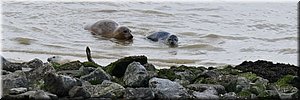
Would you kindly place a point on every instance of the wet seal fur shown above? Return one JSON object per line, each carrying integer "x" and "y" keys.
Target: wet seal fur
{"x": 110, "y": 29}
{"x": 165, "y": 37}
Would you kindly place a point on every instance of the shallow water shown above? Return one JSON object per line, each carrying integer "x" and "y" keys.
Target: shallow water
{"x": 210, "y": 34}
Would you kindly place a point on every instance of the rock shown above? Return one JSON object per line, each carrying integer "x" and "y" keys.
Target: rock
{"x": 168, "y": 74}
{"x": 86, "y": 70}
{"x": 35, "y": 76}
{"x": 239, "y": 84}
{"x": 14, "y": 80}
{"x": 268, "y": 70}
{"x": 35, "y": 63}
{"x": 202, "y": 87}
{"x": 90, "y": 64}
{"x": 60, "y": 84}
{"x": 149, "y": 67}
{"x": 182, "y": 72}
{"x": 119, "y": 67}
{"x": 78, "y": 91}
{"x": 136, "y": 75}
{"x": 106, "y": 89}
{"x": 32, "y": 95}
{"x": 12, "y": 67}
{"x": 229, "y": 96}
{"x": 139, "y": 94}
{"x": 166, "y": 89}
{"x": 205, "y": 96}
{"x": 4, "y": 72}
{"x": 74, "y": 65}
{"x": 72, "y": 73}
{"x": 17, "y": 90}
{"x": 97, "y": 76}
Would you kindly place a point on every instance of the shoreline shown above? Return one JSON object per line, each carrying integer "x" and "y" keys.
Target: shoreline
{"x": 133, "y": 77}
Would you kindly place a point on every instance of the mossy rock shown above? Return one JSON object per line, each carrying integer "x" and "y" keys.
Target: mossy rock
{"x": 285, "y": 84}
{"x": 119, "y": 67}
{"x": 168, "y": 74}
{"x": 244, "y": 94}
{"x": 90, "y": 64}
{"x": 74, "y": 65}
{"x": 228, "y": 70}
{"x": 203, "y": 80}
{"x": 250, "y": 76}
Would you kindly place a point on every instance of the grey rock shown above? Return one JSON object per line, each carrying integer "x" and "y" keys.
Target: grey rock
{"x": 32, "y": 95}
{"x": 86, "y": 70}
{"x": 4, "y": 72}
{"x": 136, "y": 75}
{"x": 242, "y": 83}
{"x": 229, "y": 96}
{"x": 106, "y": 89}
{"x": 14, "y": 80}
{"x": 40, "y": 95}
{"x": 205, "y": 96}
{"x": 202, "y": 87}
{"x": 78, "y": 91}
{"x": 35, "y": 63}
{"x": 60, "y": 84}
{"x": 210, "y": 74}
{"x": 139, "y": 94}
{"x": 166, "y": 89}
{"x": 17, "y": 90}
{"x": 36, "y": 75}
{"x": 97, "y": 76}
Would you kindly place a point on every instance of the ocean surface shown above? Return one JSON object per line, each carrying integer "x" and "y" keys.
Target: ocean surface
{"x": 210, "y": 33}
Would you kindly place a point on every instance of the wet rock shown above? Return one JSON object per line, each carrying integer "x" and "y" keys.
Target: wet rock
{"x": 78, "y": 91}
{"x": 35, "y": 63}
{"x": 14, "y": 80}
{"x": 119, "y": 67}
{"x": 267, "y": 69}
{"x": 17, "y": 90}
{"x": 182, "y": 72}
{"x": 97, "y": 76}
{"x": 60, "y": 84}
{"x": 106, "y": 89}
{"x": 4, "y": 72}
{"x": 139, "y": 94}
{"x": 202, "y": 87}
{"x": 10, "y": 66}
{"x": 166, "y": 89}
{"x": 136, "y": 75}
{"x": 74, "y": 65}
{"x": 90, "y": 64}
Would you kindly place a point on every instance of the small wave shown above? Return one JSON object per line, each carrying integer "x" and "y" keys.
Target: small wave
{"x": 106, "y": 11}
{"x": 203, "y": 9}
{"x": 276, "y": 39}
{"x": 175, "y": 61}
{"x": 288, "y": 51}
{"x": 202, "y": 47}
{"x": 23, "y": 40}
{"x": 267, "y": 26}
{"x": 215, "y": 36}
{"x": 152, "y": 12}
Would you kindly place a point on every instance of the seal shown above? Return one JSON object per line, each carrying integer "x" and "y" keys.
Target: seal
{"x": 110, "y": 29}
{"x": 164, "y": 37}
{"x": 58, "y": 60}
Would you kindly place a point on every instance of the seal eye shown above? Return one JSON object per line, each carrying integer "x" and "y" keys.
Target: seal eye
{"x": 125, "y": 31}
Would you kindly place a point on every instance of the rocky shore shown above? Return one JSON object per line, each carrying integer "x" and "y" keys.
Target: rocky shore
{"x": 134, "y": 78}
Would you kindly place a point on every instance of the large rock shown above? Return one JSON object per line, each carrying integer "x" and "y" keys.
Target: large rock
{"x": 97, "y": 76}
{"x": 10, "y": 66}
{"x": 136, "y": 75}
{"x": 119, "y": 67}
{"x": 268, "y": 70}
{"x": 202, "y": 87}
{"x": 182, "y": 72}
{"x": 208, "y": 94}
{"x": 60, "y": 84}
{"x": 79, "y": 91}
{"x": 106, "y": 89}
{"x": 166, "y": 89}
{"x": 32, "y": 95}
{"x": 14, "y": 80}
{"x": 139, "y": 94}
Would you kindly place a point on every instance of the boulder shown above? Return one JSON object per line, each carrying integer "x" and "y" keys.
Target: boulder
{"x": 202, "y": 87}
{"x": 119, "y": 67}
{"x": 97, "y": 76}
{"x": 139, "y": 94}
{"x": 79, "y": 91}
{"x": 60, "y": 84}
{"x": 166, "y": 89}
{"x": 17, "y": 90}
{"x": 136, "y": 75}
{"x": 106, "y": 89}
{"x": 14, "y": 80}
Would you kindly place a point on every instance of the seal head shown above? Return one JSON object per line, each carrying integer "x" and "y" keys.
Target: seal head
{"x": 123, "y": 33}
{"x": 172, "y": 41}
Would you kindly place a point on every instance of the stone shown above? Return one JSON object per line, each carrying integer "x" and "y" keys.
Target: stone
{"x": 106, "y": 89}
{"x": 166, "y": 89}
{"x": 229, "y": 96}
{"x": 97, "y": 76}
{"x": 79, "y": 91}
{"x": 32, "y": 95}
{"x": 74, "y": 65}
{"x": 14, "y": 80}
{"x": 60, "y": 84}
{"x": 202, "y": 87}
{"x": 205, "y": 96}
{"x": 139, "y": 94}
{"x": 136, "y": 75}
{"x": 119, "y": 67}
{"x": 17, "y": 90}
